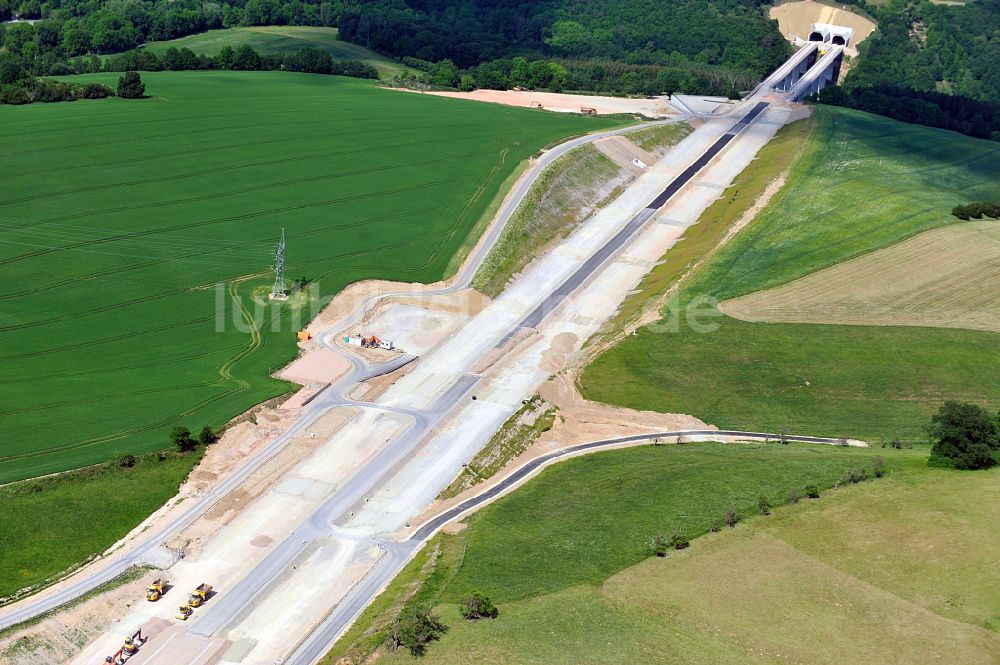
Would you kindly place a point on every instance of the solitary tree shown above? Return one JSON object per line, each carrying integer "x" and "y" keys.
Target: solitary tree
{"x": 732, "y": 517}
{"x": 125, "y": 460}
{"x": 478, "y": 606}
{"x": 812, "y": 491}
{"x": 878, "y": 467}
{"x": 181, "y": 437}
{"x": 414, "y": 629}
{"x": 130, "y": 86}
{"x": 764, "y": 504}
{"x": 964, "y": 436}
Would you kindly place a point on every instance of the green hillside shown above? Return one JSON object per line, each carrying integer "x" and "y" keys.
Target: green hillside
{"x": 139, "y": 235}
{"x": 887, "y": 571}
{"x": 863, "y": 182}
{"x": 281, "y": 39}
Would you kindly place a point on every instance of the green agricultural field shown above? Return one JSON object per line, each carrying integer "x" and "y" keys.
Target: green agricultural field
{"x": 863, "y": 182}
{"x": 281, "y": 39}
{"x": 138, "y": 237}
{"x": 887, "y": 571}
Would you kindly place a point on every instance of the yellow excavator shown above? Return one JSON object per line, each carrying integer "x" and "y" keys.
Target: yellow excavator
{"x": 155, "y": 590}
{"x": 183, "y": 612}
{"x": 199, "y": 595}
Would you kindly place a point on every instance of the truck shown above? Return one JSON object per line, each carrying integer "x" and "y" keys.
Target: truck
{"x": 199, "y": 595}
{"x": 156, "y": 589}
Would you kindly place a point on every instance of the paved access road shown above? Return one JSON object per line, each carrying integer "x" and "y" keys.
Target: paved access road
{"x": 313, "y": 648}
{"x": 149, "y": 549}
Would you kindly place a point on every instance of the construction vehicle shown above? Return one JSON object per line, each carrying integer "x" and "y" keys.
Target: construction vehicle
{"x": 372, "y": 342}
{"x": 588, "y": 110}
{"x": 129, "y": 649}
{"x": 156, "y": 589}
{"x": 199, "y": 595}
{"x": 304, "y": 335}
{"x": 183, "y": 612}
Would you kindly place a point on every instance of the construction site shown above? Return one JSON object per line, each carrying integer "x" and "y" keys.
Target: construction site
{"x": 300, "y": 517}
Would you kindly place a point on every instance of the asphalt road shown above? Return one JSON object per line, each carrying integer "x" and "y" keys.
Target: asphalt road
{"x": 227, "y": 607}
{"x": 350, "y": 607}
{"x": 592, "y": 264}
{"x": 312, "y": 649}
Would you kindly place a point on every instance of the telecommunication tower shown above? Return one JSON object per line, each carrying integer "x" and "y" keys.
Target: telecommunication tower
{"x": 278, "y": 292}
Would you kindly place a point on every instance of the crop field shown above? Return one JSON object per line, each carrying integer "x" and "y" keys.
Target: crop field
{"x": 139, "y": 235}
{"x": 885, "y": 571}
{"x": 862, "y": 567}
{"x": 862, "y": 183}
{"x": 281, "y": 39}
{"x": 947, "y": 278}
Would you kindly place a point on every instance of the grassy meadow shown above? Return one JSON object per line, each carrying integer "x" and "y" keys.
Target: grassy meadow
{"x": 50, "y": 524}
{"x": 862, "y": 183}
{"x": 281, "y": 39}
{"x": 139, "y": 236}
{"x": 885, "y": 571}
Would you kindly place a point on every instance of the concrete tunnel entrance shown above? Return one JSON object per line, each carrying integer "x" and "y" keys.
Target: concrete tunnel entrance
{"x": 815, "y": 36}
{"x": 838, "y": 40}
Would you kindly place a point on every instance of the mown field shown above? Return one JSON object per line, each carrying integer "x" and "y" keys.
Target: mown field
{"x": 893, "y": 570}
{"x": 863, "y": 183}
{"x": 944, "y": 278}
{"x": 281, "y": 39}
{"x": 127, "y": 223}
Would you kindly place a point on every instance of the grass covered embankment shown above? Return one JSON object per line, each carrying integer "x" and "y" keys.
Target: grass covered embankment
{"x": 863, "y": 182}
{"x": 571, "y": 189}
{"x": 568, "y": 560}
{"x": 881, "y": 572}
{"x": 48, "y": 525}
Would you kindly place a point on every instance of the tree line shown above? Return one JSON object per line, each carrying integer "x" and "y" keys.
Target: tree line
{"x": 933, "y": 109}
{"x": 243, "y": 58}
{"x": 18, "y": 86}
{"x": 557, "y": 75}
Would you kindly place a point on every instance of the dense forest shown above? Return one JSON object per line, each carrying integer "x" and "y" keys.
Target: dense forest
{"x": 924, "y": 61}
{"x": 933, "y": 48}
{"x": 625, "y": 46}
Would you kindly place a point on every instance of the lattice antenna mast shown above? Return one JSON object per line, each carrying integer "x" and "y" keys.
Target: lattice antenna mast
{"x": 278, "y": 292}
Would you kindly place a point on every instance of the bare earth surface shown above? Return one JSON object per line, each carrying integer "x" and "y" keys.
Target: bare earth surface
{"x": 795, "y": 20}
{"x": 564, "y": 103}
{"x": 947, "y": 277}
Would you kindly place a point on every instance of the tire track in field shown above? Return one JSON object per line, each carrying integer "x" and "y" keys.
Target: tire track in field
{"x": 104, "y": 398}
{"x": 166, "y": 294}
{"x": 158, "y": 362}
{"x": 104, "y": 340}
{"x": 225, "y": 376}
{"x": 247, "y": 190}
{"x": 220, "y": 169}
{"x": 184, "y": 122}
{"x": 109, "y": 272}
{"x": 235, "y": 218}
{"x": 187, "y": 153}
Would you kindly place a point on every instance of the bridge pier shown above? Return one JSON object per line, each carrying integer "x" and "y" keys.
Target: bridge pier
{"x": 797, "y": 72}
